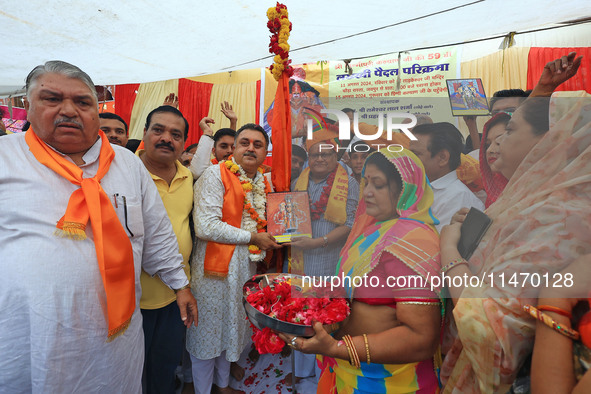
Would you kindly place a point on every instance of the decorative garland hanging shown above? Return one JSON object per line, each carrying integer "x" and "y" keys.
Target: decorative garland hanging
{"x": 280, "y": 26}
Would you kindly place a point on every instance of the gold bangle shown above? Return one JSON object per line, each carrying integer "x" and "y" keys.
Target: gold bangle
{"x": 354, "y": 355}
{"x": 348, "y": 350}
{"x": 453, "y": 263}
{"x": 367, "y": 348}
{"x": 187, "y": 286}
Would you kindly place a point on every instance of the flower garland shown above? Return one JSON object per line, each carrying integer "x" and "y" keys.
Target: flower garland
{"x": 255, "y": 209}
{"x": 280, "y": 26}
{"x": 317, "y": 209}
{"x": 280, "y": 301}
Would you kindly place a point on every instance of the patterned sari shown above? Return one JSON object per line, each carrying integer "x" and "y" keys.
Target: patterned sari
{"x": 541, "y": 223}
{"x": 413, "y": 241}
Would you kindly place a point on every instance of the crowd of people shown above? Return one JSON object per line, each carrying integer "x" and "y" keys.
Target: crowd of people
{"x": 123, "y": 263}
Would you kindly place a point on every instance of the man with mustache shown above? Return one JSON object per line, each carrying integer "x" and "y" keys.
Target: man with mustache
{"x": 114, "y": 128}
{"x": 229, "y": 215}
{"x": 164, "y": 138}
{"x": 87, "y": 220}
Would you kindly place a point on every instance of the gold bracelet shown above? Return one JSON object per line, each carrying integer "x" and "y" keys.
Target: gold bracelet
{"x": 547, "y": 320}
{"x": 355, "y": 356}
{"x": 366, "y": 348}
{"x": 453, "y": 263}
{"x": 348, "y": 350}
{"x": 187, "y": 286}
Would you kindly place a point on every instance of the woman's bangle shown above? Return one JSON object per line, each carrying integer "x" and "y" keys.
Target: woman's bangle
{"x": 550, "y": 308}
{"x": 454, "y": 263}
{"x": 348, "y": 350}
{"x": 367, "y": 348}
{"x": 353, "y": 351}
{"x": 547, "y": 320}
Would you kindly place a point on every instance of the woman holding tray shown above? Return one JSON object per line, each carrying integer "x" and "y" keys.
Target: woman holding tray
{"x": 388, "y": 342}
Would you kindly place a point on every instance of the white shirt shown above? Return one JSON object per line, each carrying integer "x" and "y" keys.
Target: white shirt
{"x": 53, "y": 326}
{"x": 202, "y": 157}
{"x": 222, "y": 320}
{"x": 449, "y": 196}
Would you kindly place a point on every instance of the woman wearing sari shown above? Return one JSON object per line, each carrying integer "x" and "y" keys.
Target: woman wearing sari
{"x": 388, "y": 342}
{"x": 541, "y": 224}
{"x": 494, "y": 182}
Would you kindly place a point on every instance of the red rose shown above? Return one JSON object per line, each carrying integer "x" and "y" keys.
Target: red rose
{"x": 266, "y": 341}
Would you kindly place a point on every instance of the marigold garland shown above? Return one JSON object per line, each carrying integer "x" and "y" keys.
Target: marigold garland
{"x": 256, "y": 208}
{"x": 280, "y": 26}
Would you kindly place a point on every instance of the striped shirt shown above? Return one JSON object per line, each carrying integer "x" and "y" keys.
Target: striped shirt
{"x": 323, "y": 261}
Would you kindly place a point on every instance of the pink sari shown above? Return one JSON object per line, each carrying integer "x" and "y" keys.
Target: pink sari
{"x": 541, "y": 223}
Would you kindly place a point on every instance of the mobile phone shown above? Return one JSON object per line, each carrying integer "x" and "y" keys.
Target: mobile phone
{"x": 473, "y": 229}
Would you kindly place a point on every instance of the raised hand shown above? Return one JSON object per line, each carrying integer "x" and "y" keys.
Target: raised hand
{"x": 172, "y": 100}
{"x": 555, "y": 73}
{"x": 204, "y": 125}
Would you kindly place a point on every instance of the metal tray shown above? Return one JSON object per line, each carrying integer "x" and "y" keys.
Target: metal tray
{"x": 260, "y": 320}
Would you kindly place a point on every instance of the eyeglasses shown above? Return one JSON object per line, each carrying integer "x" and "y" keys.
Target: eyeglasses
{"x": 323, "y": 156}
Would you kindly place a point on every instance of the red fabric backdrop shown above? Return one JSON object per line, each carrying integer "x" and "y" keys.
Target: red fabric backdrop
{"x": 194, "y": 104}
{"x": 538, "y": 57}
{"x": 124, "y": 100}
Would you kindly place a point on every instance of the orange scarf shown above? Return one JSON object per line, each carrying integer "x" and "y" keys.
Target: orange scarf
{"x": 218, "y": 255}
{"x": 113, "y": 247}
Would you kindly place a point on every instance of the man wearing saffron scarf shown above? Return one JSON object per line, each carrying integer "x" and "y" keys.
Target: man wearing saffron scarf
{"x": 69, "y": 292}
{"x": 229, "y": 215}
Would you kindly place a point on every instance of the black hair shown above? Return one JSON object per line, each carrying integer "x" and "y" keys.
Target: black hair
{"x": 536, "y": 112}
{"x": 133, "y": 144}
{"x": 223, "y": 133}
{"x": 252, "y": 126}
{"x": 507, "y": 93}
{"x": 188, "y": 148}
{"x": 505, "y": 118}
{"x": 110, "y": 115}
{"x": 169, "y": 109}
{"x": 300, "y": 152}
{"x": 348, "y": 110}
{"x": 444, "y": 135}
{"x": 387, "y": 167}
{"x": 306, "y": 87}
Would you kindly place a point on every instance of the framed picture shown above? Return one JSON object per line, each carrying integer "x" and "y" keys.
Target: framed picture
{"x": 467, "y": 97}
{"x": 288, "y": 215}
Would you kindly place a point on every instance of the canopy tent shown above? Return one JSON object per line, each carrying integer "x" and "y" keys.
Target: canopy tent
{"x": 119, "y": 42}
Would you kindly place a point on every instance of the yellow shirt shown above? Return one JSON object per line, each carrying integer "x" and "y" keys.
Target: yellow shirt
{"x": 178, "y": 201}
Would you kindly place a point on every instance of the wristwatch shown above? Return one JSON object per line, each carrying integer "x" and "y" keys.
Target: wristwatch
{"x": 187, "y": 286}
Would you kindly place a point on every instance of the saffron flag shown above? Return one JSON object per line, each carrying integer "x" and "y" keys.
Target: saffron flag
{"x": 281, "y": 131}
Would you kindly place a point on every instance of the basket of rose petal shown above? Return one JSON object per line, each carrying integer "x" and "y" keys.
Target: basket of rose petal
{"x": 280, "y": 302}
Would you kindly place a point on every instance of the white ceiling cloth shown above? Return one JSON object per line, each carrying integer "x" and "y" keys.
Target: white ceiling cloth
{"x": 130, "y": 41}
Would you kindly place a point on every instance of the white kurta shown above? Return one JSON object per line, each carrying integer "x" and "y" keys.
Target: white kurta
{"x": 53, "y": 327}
{"x": 222, "y": 320}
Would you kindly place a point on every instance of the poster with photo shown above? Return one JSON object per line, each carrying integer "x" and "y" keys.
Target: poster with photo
{"x": 467, "y": 97}
{"x": 288, "y": 215}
